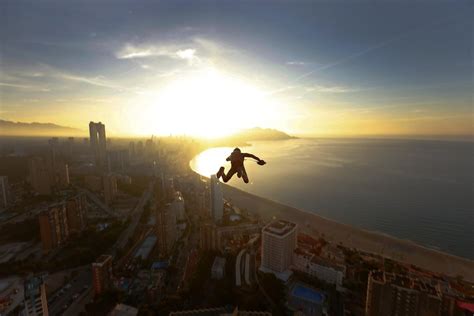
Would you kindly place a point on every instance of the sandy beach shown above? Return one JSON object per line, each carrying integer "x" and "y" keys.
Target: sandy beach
{"x": 397, "y": 249}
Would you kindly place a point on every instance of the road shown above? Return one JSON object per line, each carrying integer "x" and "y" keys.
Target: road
{"x": 78, "y": 305}
{"x": 190, "y": 243}
{"x": 63, "y": 298}
{"x": 135, "y": 215}
{"x": 26, "y": 215}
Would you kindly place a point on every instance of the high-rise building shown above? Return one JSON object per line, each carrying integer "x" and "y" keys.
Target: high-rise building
{"x": 61, "y": 174}
{"x": 69, "y": 147}
{"x": 394, "y": 294}
{"x": 4, "y": 192}
{"x": 165, "y": 229}
{"x": 102, "y": 274}
{"x": 53, "y": 150}
{"x": 139, "y": 149}
{"x": 98, "y": 143}
{"x": 39, "y": 176}
{"x": 110, "y": 188}
{"x": 131, "y": 150}
{"x": 76, "y": 208}
{"x": 217, "y": 199}
{"x": 58, "y": 169}
{"x": 279, "y": 241}
{"x": 54, "y": 227}
{"x": 208, "y": 236}
{"x": 36, "y": 303}
{"x": 118, "y": 160}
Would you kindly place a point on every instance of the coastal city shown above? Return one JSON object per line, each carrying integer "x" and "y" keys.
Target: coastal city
{"x": 116, "y": 226}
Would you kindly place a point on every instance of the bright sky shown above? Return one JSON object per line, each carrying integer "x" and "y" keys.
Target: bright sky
{"x": 208, "y": 69}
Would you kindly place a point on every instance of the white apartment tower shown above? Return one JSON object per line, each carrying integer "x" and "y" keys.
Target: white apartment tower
{"x": 279, "y": 240}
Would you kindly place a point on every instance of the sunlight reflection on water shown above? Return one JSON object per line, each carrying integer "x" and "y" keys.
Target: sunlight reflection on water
{"x": 209, "y": 161}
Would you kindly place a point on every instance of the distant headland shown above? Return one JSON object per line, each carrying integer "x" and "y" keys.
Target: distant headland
{"x": 243, "y": 137}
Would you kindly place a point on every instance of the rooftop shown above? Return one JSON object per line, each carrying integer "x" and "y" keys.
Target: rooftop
{"x": 32, "y": 286}
{"x": 280, "y": 227}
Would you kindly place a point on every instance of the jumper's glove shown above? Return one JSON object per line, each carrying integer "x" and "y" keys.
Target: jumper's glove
{"x": 261, "y": 162}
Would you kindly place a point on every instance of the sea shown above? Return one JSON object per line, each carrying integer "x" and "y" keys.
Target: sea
{"x": 419, "y": 190}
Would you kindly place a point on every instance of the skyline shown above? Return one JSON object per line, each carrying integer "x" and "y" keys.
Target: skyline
{"x": 315, "y": 69}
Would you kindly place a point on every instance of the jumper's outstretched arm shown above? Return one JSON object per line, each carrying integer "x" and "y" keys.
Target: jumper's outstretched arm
{"x": 246, "y": 155}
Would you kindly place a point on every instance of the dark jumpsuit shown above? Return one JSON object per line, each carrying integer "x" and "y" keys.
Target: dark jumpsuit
{"x": 237, "y": 166}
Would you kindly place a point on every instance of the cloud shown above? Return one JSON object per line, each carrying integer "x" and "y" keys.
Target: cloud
{"x": 130, "y": 51}
{"x": 331, "y": 89}
{"x": 188, "y": 54}
{"x": 95, "y": 81}
{"x": 25, "y": 87}
{"x": 295, "y": 63}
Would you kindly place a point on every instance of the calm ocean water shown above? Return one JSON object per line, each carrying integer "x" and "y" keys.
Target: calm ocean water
{"x": 417, "y": 190}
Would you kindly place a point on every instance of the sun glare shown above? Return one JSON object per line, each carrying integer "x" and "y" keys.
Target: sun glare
{"x": 205, "y": 104}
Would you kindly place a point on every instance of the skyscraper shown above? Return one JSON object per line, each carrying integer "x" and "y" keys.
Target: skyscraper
{"x": 4, "y": 192}
{"x": 110, "y": 188}
{"x": 54, "y": 227}
{"x": 165, "y": 229}
{"x": 39, "y": 176}
{"x": 279, "y": 240}
{"x": 102, "y": 274}
{"x": 217, "y": 199}
{"x": 58, "y": 170}
{"x": 98, "y": 143}
{"x": 36, "y": 303}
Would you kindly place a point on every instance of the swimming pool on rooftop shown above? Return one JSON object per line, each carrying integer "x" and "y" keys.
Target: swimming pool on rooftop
{"x": 308, "y": 294}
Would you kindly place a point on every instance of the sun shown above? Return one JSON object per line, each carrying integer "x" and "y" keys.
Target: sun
{"x": 206, "y": 104}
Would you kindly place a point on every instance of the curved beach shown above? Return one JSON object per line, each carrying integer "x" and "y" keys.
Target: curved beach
{"x": 373, "y": 242}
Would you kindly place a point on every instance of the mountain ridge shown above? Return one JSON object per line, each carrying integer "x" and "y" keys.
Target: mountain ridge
{"x": 12, "y": 128}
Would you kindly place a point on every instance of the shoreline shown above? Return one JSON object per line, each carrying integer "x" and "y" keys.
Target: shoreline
{"x": 402, "y": 250}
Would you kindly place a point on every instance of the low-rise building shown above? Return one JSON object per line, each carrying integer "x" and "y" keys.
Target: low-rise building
{"x": 327, "y": 271}
{"x": 219, "y": 311}
{"x": 124, "y": 310}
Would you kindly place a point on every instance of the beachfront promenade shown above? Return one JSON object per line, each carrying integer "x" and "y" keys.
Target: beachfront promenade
{"x": 390, "y": 247}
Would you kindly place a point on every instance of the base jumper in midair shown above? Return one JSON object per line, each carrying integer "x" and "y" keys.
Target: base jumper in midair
{"x": 236, "y": 159}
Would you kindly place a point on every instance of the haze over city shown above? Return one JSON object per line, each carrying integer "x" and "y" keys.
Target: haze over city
{"x": 307, "y": 68}
{"x": 226, "y": 158}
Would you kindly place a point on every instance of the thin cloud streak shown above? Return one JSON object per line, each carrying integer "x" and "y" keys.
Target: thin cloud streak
{"x": 131, "y": 52}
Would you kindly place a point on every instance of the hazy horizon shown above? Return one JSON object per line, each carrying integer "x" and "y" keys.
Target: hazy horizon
{"x": 84, "y": 133}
